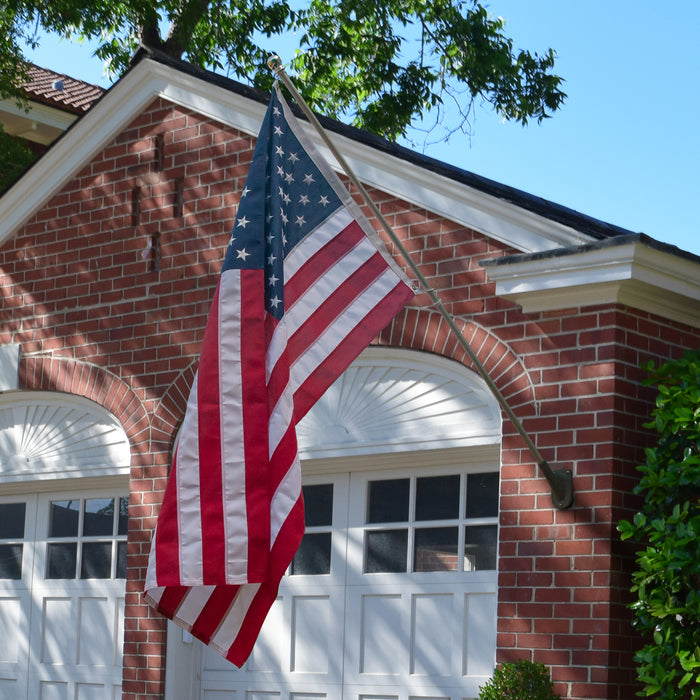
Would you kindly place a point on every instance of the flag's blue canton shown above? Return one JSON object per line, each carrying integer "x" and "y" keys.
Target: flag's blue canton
{"x": 285, "y": 198}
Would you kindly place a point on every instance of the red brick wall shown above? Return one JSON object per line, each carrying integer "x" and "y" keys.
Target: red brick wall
{"x": 107, "y": 290}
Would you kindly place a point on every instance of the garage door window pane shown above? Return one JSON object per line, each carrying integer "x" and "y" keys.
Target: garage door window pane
{"x": 435, "y": 549}
{"x": 482, "y": 495}
{"x": 64, "y": 518}
{"x": 61, "y": 559}
{"x": 12, "y": 516}
{"x": 11, "y": 561}
{"x": 386, "y": 551}
{"x": 313, "y": 558}
{"x": 437, "y": 497}
{"x": 12, "y": 520}
{"x": 98, "y": 518}
{"x": 388, "y": 501}
{"x": 121, "y": 560}
{"x": 97, "y": 560}
{"x": 123, "y": 516}
{"x": 318, "y": 504}
{"x": 480, "y": 547}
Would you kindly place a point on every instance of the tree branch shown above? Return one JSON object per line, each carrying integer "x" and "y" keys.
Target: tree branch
{"x": 183, "y": 25}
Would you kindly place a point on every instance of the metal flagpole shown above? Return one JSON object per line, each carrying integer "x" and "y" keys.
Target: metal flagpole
{"x": 560, "y": 480}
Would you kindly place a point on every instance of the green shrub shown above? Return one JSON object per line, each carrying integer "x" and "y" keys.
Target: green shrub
{"x": 667, "y": 579}
{"x": 519, "y": 680}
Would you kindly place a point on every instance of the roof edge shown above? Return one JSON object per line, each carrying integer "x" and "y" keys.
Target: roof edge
{"x": 596, "y": 228}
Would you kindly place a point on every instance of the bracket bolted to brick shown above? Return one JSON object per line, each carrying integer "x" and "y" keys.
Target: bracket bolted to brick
{"x": 561, "y": 483}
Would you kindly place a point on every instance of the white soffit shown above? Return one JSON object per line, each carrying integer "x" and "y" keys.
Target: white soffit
{"x": 47, "y": 435}
{"x": 495, "y": 218}
{"x": 634, "y": 274}
{"x": 39, "y": 123}
{"x": 391, "y": 400}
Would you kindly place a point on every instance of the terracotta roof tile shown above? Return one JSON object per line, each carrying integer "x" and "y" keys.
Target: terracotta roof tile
{"x": 76, "y": 95}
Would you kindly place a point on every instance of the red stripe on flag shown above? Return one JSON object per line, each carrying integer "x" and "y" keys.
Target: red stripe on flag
{"x": 282, "y": 458}
{"x": 349, "y": 348}
{"x": 281, "y": 555}
{"x": 334, "y": 305}
{"x": 166, "y": 536}
{"x": 213, "y": 612}
{"x": 326, "y": 312}
{"x": 255, "y": 433}
{"x": 324, "y": 258}
{"x": 171, "y": 599}
{"x": 210, "y": 476}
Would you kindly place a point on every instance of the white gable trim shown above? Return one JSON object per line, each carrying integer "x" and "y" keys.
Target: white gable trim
{"x": 505, "y": 222}
{"x": 634, "y": 274}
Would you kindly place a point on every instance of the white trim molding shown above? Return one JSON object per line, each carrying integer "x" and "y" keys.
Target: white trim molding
{"x": 632, "y": 272}
{"x": 50, "y": 435}
{"x": 9, "y": 366}
{"x": 394, "y": 400}
{"x": 521, "y": 229}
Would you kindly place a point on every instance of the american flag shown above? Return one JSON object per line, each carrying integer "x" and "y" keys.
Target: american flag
{"x": 305, "y": 285}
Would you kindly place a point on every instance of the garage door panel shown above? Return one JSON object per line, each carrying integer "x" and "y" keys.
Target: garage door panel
{"x": 95, "y": 622}
{"x": 219, "y": 695}
{"x": 53, "y": 690}
{"x": 378, "y": 645}
{"x": 55, "y": 631}
{"x": 269, "y": 650}
{"x": 311, "y": 634}
{"x": 432, "y": 642}
{"x": 66, "y": 634}
{"x": 13, "y": 616}
{"x": 412, "y": 691}
{"x": 14, "y": 644}
{"x": 479, "y": 634}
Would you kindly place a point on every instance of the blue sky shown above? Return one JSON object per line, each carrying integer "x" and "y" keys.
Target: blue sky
{"x": 625, "y": 147}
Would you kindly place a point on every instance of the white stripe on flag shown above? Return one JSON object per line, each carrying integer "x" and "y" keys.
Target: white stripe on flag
{"x": 193, "y": 604}
{"x": 189, "y": 506}
{"x": 328, "y": 282}
{"x": 232, "y": 442}
{"x": 231, "y": 624}
{"x": 281, "y": 418}
{"x": 285, "y": 497}
{"x": 315, "y": 240}
{"x": 336, "y": 332}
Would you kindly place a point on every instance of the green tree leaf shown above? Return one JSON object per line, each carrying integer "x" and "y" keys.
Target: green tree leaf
{"x": 667, "y": 579}
{"x": 379, "y": 64}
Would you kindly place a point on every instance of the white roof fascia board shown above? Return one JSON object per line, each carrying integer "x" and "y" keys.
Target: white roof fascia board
{"x": 633, "y": 274}
{"x": 495, "y": 218}
{"x": 489, "y": 215}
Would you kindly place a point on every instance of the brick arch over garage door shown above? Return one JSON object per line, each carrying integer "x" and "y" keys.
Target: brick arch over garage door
{"x": 170, "y": 410}
{"x": 421, "y": 329}
{"x": 39, "y": 373}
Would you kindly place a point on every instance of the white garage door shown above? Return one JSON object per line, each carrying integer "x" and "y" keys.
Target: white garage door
{"x": 391, "y": 597}
{"x": 62, "y": 585}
